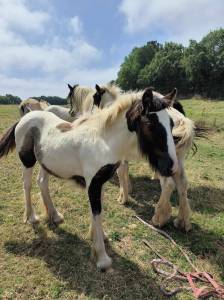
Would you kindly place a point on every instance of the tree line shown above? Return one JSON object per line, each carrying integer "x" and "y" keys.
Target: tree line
{"x": 10, "y": 99}
{"x": 196, "y": 69}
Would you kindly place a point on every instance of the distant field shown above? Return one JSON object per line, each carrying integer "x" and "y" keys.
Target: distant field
{"x": 54, "y": 263}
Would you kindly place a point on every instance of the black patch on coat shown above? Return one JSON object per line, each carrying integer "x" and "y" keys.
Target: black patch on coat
{"x": 28, "y": 158}
{"x": 178, "y": 106}
{"x": 26, "y": 153}
{"x": 152, "y": 138}
{"x": 79, "y": 180}
{"x": 94, "y": 191}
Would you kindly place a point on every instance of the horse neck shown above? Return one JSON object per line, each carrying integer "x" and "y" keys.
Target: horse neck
{"x": 79, "y": 98}
{"x": 120, "y": 140}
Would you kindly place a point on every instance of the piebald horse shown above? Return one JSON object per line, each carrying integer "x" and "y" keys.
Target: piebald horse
{"x": 183, "y": 131}
{"x": 89, "y": 150}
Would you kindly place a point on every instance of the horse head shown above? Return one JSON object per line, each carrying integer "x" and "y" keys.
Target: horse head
{"x": 105, "y": 95}
{"x": 151, "y": 122}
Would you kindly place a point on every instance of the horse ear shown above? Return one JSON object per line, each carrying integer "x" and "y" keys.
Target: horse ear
{"x": 147, "y": 98}
{"x": 98, "y": 89}
{"x": 70, "y": 87}
{"x": 75, "y": 86}
{"x": 170, "y": 98}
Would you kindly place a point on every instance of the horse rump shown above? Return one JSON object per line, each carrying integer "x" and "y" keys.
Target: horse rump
{"x": 7, "y": 140}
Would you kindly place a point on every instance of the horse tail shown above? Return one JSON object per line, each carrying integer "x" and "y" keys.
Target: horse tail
{"x": 178, "y": 106}
{"x": 7, "y": 140}
{"x": 201, "y": 129}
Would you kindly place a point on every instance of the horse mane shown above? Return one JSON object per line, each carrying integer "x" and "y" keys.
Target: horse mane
{"x": 121, "y": 104}
{"x": 79, "y": 94}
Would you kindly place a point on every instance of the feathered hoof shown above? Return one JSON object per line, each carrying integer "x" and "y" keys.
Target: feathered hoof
{"x": 57, "y": 218}
{"x": 33, "y": 219}
{"x": 104, "y": 263}
{"x": 159, "y": 220}
{"x": 182, "y": 224}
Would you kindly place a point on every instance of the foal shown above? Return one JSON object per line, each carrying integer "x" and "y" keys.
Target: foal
{"x": 183, "y": 134}
{"x": 89, "y": 151}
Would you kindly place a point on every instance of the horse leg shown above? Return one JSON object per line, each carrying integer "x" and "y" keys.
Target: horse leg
{"x": 163, "y": 209}
{"x": 123, "y": 177}
{"x": 94, "y": 191}
{"x": 128, "y": 177}
{"x": 183, "y": 219}
{"x": 90, "y": 235}
{"x": 43, "y": 182}
{"x": 29, "y": 215}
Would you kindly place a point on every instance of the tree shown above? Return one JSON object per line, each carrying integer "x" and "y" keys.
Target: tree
{"x": 198, "y": 67}
{"x": 134, "y": 63}
{"x": 9, "y": 99}
{"x": 166, "y": 70}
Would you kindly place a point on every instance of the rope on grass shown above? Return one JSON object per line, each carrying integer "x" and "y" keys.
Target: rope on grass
{"x": 210, "y": 287}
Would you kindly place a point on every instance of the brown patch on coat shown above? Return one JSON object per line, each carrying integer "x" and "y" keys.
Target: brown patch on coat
{"x": 63, "y": 127}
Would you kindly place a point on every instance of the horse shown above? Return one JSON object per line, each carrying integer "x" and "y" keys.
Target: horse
{"x": 32, "y": 104}
{"x": 183, "y": 132}
{"x": 89, "y": 150}
{"x": 83, "y": 99}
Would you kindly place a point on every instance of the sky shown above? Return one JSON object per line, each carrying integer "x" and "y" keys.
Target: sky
{"x": 46, "y": 44}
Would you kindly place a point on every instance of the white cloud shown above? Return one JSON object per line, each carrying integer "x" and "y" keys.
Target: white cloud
{"x": 15, "y": 15}
{"x": 58, "y": 55}
{"x": 76, "y": 25}
{"x": 45, "y": 68}
{"x": 47, "y": 58}
{"x": 179, "y": 20}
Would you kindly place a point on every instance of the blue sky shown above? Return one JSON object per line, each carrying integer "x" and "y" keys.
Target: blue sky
{"x": 45, "y": 44}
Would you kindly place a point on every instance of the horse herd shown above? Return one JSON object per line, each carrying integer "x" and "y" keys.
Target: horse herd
{"x": 103, "y": 129}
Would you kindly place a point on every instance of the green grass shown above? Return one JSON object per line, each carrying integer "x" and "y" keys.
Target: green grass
{"x": 55, "y": 263}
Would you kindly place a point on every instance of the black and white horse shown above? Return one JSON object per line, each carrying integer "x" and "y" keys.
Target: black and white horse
{"x": 89, "y": 150}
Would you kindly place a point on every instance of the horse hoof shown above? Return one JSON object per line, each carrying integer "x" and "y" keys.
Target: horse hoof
{"x": 57, "y": 218}
{"x": 181, "y": 223}
{"x": 159, "y": 221}
{"x": 33, "y": 220}
{"x": 104, "y": 264}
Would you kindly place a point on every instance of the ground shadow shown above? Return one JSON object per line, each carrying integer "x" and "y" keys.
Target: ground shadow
{"x": 206, "y": 200}
{"x": 68, "y": 258}
{"x": 146, "y": 193}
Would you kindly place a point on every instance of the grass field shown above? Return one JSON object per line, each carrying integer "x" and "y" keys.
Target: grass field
{"x": 55, "y": 263}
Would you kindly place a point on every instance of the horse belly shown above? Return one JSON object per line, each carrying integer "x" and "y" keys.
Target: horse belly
{"x": 61, "y": 160}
